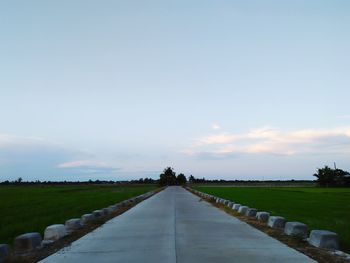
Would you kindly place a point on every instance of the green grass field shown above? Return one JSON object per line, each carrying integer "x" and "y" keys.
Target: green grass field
{"x": 319, "y": 208}
{"x": 32, "y": 208}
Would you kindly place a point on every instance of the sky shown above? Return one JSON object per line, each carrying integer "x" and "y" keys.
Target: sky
{"x": 118, "y": 90}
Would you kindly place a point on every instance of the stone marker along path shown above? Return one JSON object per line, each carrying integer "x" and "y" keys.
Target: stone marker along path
{"x": 176, "y": 226}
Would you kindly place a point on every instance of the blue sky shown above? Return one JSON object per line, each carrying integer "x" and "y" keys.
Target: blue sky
{"x": 220, "y": 89}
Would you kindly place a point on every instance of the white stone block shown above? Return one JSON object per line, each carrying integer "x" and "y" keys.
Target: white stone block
{"x": 55, "y": 232}
{"x": 251, "y": 212}
{"x": 263, "y": 216}
{"x": 97, "y": 213}
{"x": 276, "y": 222}
{"x": 324, "y": 239}
{"x": 87, "y": 218}
{"x": 105, "y": 211}
{"x": 27, "y": 242}
{"x": 230, "y": 204}
{"x": 296, "y": 229}
{"x": 4, "y": 252}
{"x": 73, "y": 224}
{"x": 125, "y": 203}
{"x": 243, "y": 209}
{"x": 113, "y": 208}
{"x": 236, "y": 207}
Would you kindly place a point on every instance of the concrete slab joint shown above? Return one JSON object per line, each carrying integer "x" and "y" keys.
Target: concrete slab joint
{"x": 324, "y": 239}
{"x": 296, "y": 229}
{"x": 276, "y": 222}
{"x": 27, "y": 242}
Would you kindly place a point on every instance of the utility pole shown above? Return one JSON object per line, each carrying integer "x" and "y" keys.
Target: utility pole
{"x": 335, "y": 166}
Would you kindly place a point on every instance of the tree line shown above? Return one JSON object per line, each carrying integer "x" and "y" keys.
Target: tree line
{"x": 20, "y": 181}
{"x": 325, "y": 177}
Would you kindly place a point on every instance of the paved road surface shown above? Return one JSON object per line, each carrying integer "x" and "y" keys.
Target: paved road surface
{"x": 175, "y": 226}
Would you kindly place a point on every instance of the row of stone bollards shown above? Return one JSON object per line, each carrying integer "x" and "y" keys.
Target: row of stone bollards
{"x": 30, "y": 242}
{"x": 318, "y": 238}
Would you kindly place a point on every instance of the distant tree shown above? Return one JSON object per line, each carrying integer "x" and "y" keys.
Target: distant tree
{"x": 19, "y": 180}
{"x": 325, "y": 176}
{"x": 342, "y": 178}
{"x": 191, "y": 179}
{"x": 168, "y": 177}
{"x": 181, "y": 179}
{"x": 347, "y": 180}
{"x": 149, "y": 180}
{"x": 332, "y": 177}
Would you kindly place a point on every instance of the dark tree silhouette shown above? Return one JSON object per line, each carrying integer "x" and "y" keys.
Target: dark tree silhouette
{"x": 332, "y": 177}
{"x": 168, "y": 177}
{"x": 181, "y": 179}
{"x": 19, "y": 180}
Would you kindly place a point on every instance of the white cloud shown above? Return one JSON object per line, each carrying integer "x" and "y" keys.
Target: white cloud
{"x": 345, "y": 116}
{"x": 216, "y": 139}
{"x": 273, "y": 141}
{"x": 90, "y": 167}
{"x": 8, "y": 140}
{"x": 216, "y": 126}
{"x": 82, "y": 163}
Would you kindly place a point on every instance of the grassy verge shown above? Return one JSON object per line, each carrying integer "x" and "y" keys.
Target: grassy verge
{"x": 32, "y": 208}
{"x": 319, "y": 208}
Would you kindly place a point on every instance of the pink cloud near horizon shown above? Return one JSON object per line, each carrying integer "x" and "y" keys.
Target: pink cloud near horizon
{"x": 268, "y": 140}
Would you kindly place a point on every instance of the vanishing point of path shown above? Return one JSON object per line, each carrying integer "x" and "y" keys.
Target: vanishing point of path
{"x": 175, "y": 226}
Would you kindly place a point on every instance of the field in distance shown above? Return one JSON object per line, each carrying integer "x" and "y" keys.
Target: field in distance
{"x": 28, "y": 208}
{"x": 319, "y": 208}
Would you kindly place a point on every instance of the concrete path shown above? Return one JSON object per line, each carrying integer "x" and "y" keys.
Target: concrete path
{"x": 175, "y": 226}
